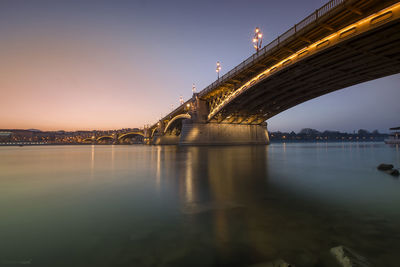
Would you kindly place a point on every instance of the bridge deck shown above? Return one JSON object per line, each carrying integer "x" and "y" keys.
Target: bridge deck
{"x": 369, "y": 56}
{"x": 334, "y": 15}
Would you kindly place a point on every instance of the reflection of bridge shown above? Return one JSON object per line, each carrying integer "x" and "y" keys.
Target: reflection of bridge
{"x": 341, "y": 44}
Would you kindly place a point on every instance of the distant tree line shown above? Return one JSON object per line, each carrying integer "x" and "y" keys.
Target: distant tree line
{"x": 308, "y": 134}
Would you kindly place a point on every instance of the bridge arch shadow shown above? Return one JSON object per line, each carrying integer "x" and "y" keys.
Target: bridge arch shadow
{"x": 130, "y": 135}
{"x": 174, "y": 126}
{"x": 104, "y": 138}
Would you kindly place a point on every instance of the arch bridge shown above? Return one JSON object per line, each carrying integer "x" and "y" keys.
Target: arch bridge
{"x": 139, "y": 135}
{"x": 343, "y": 43}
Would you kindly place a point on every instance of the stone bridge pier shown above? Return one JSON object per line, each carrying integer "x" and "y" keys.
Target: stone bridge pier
{"x": 198, "y": 131}
{"x": 160, "y": 137}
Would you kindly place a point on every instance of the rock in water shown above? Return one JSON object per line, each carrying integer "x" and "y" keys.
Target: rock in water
{"x": 276, "y": 263}
{"x": 348, "y": 258}
{"x": 394, "y": 172}
{"x": 385, "y": 167}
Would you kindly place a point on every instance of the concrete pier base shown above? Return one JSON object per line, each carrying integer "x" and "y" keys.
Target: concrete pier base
{"x": 165, "y": 140}
{"x": 223, "y": 134}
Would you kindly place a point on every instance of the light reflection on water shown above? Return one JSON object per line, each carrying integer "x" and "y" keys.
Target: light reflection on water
{"x": 156, "y": 206}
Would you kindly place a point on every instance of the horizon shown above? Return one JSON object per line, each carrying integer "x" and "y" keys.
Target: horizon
{"x": 287, "y": 131}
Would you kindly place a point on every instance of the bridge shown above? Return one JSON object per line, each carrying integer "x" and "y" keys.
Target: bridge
{"x": 117, "y": 138}
{"x": 343, "y": 43}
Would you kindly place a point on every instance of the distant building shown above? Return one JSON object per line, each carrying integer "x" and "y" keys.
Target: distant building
{"x": 5, "y": 136}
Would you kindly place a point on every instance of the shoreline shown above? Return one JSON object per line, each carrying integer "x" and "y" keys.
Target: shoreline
{"x": 272, "y": 142}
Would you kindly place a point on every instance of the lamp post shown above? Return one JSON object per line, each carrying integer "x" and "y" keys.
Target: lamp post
{"x": 193, "y": 88}
{"x": 181, "y": 100}
{"x": 218, "y": 69}
{"x": 257, "y": 39}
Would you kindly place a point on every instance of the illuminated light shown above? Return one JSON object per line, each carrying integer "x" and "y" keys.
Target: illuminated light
{"x": 286, "y": 62}
{"x": 257, "y": 39}
{"x": 323, "y": 44}
{"x": 253, "y": 82}
{"x": 218, "y": 69}
{"x": 305, "y": 52}
{"x": 381, "y": 18}
{"x": 273, "y": 69}
{"x": 348, "y": 32}
{"x": 262, "y": 76}
{"x": 188, "y": 105}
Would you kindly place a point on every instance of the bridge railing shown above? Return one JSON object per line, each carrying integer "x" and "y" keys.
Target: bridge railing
{"x": 313, "y": 17}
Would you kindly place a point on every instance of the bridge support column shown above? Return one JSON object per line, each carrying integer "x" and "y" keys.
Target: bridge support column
{"x": 166, "y": 139}
{"x": 223, "y": 134}
{"x": 200, "y": 112}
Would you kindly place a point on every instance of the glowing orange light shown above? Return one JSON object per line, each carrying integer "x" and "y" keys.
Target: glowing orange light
{"x": 257, "y": 39}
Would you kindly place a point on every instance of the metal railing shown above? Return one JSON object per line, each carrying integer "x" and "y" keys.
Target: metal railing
{"x": 272, "y": 46}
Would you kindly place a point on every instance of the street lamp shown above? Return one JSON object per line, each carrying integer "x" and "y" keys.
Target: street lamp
{"x": 193, "y": 88}
{"x": 257, "y": 39}
{"x": 181, "y": 100}
{"x": 218, "y": 69}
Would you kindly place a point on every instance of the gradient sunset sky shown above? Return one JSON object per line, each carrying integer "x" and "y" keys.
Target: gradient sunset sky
{"x": 121, "y": 64}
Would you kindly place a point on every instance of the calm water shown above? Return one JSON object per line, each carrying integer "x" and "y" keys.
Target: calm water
{"x": 172, "y": 206}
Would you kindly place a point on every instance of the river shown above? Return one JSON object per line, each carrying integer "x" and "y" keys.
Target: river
{"x": 208, "y": 206}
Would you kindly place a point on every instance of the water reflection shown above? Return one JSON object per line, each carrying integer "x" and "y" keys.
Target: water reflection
{"x": 256, "y": 208}
{"x": 179, "y": 206}
{"x": 158, "y": 172}
{"x": 216, "y": 185}
{"x": 189, "y": 178}
{"x": 92, "y": 162}
{"x": 113, "y": 159}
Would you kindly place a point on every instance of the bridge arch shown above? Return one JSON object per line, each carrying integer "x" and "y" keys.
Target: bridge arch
{"x": 130, "y": 134}
{"x": 336, "y": 61}
{"x": 155, "y": 129}
{"x": 176, "y": 118}
{"x": 104, "y": 137}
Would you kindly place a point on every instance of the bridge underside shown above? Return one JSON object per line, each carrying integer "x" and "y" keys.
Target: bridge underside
{"x": 365, "y": 57}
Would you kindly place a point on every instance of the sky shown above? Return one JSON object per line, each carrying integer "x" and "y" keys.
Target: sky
{"x": 122, "y": 64}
